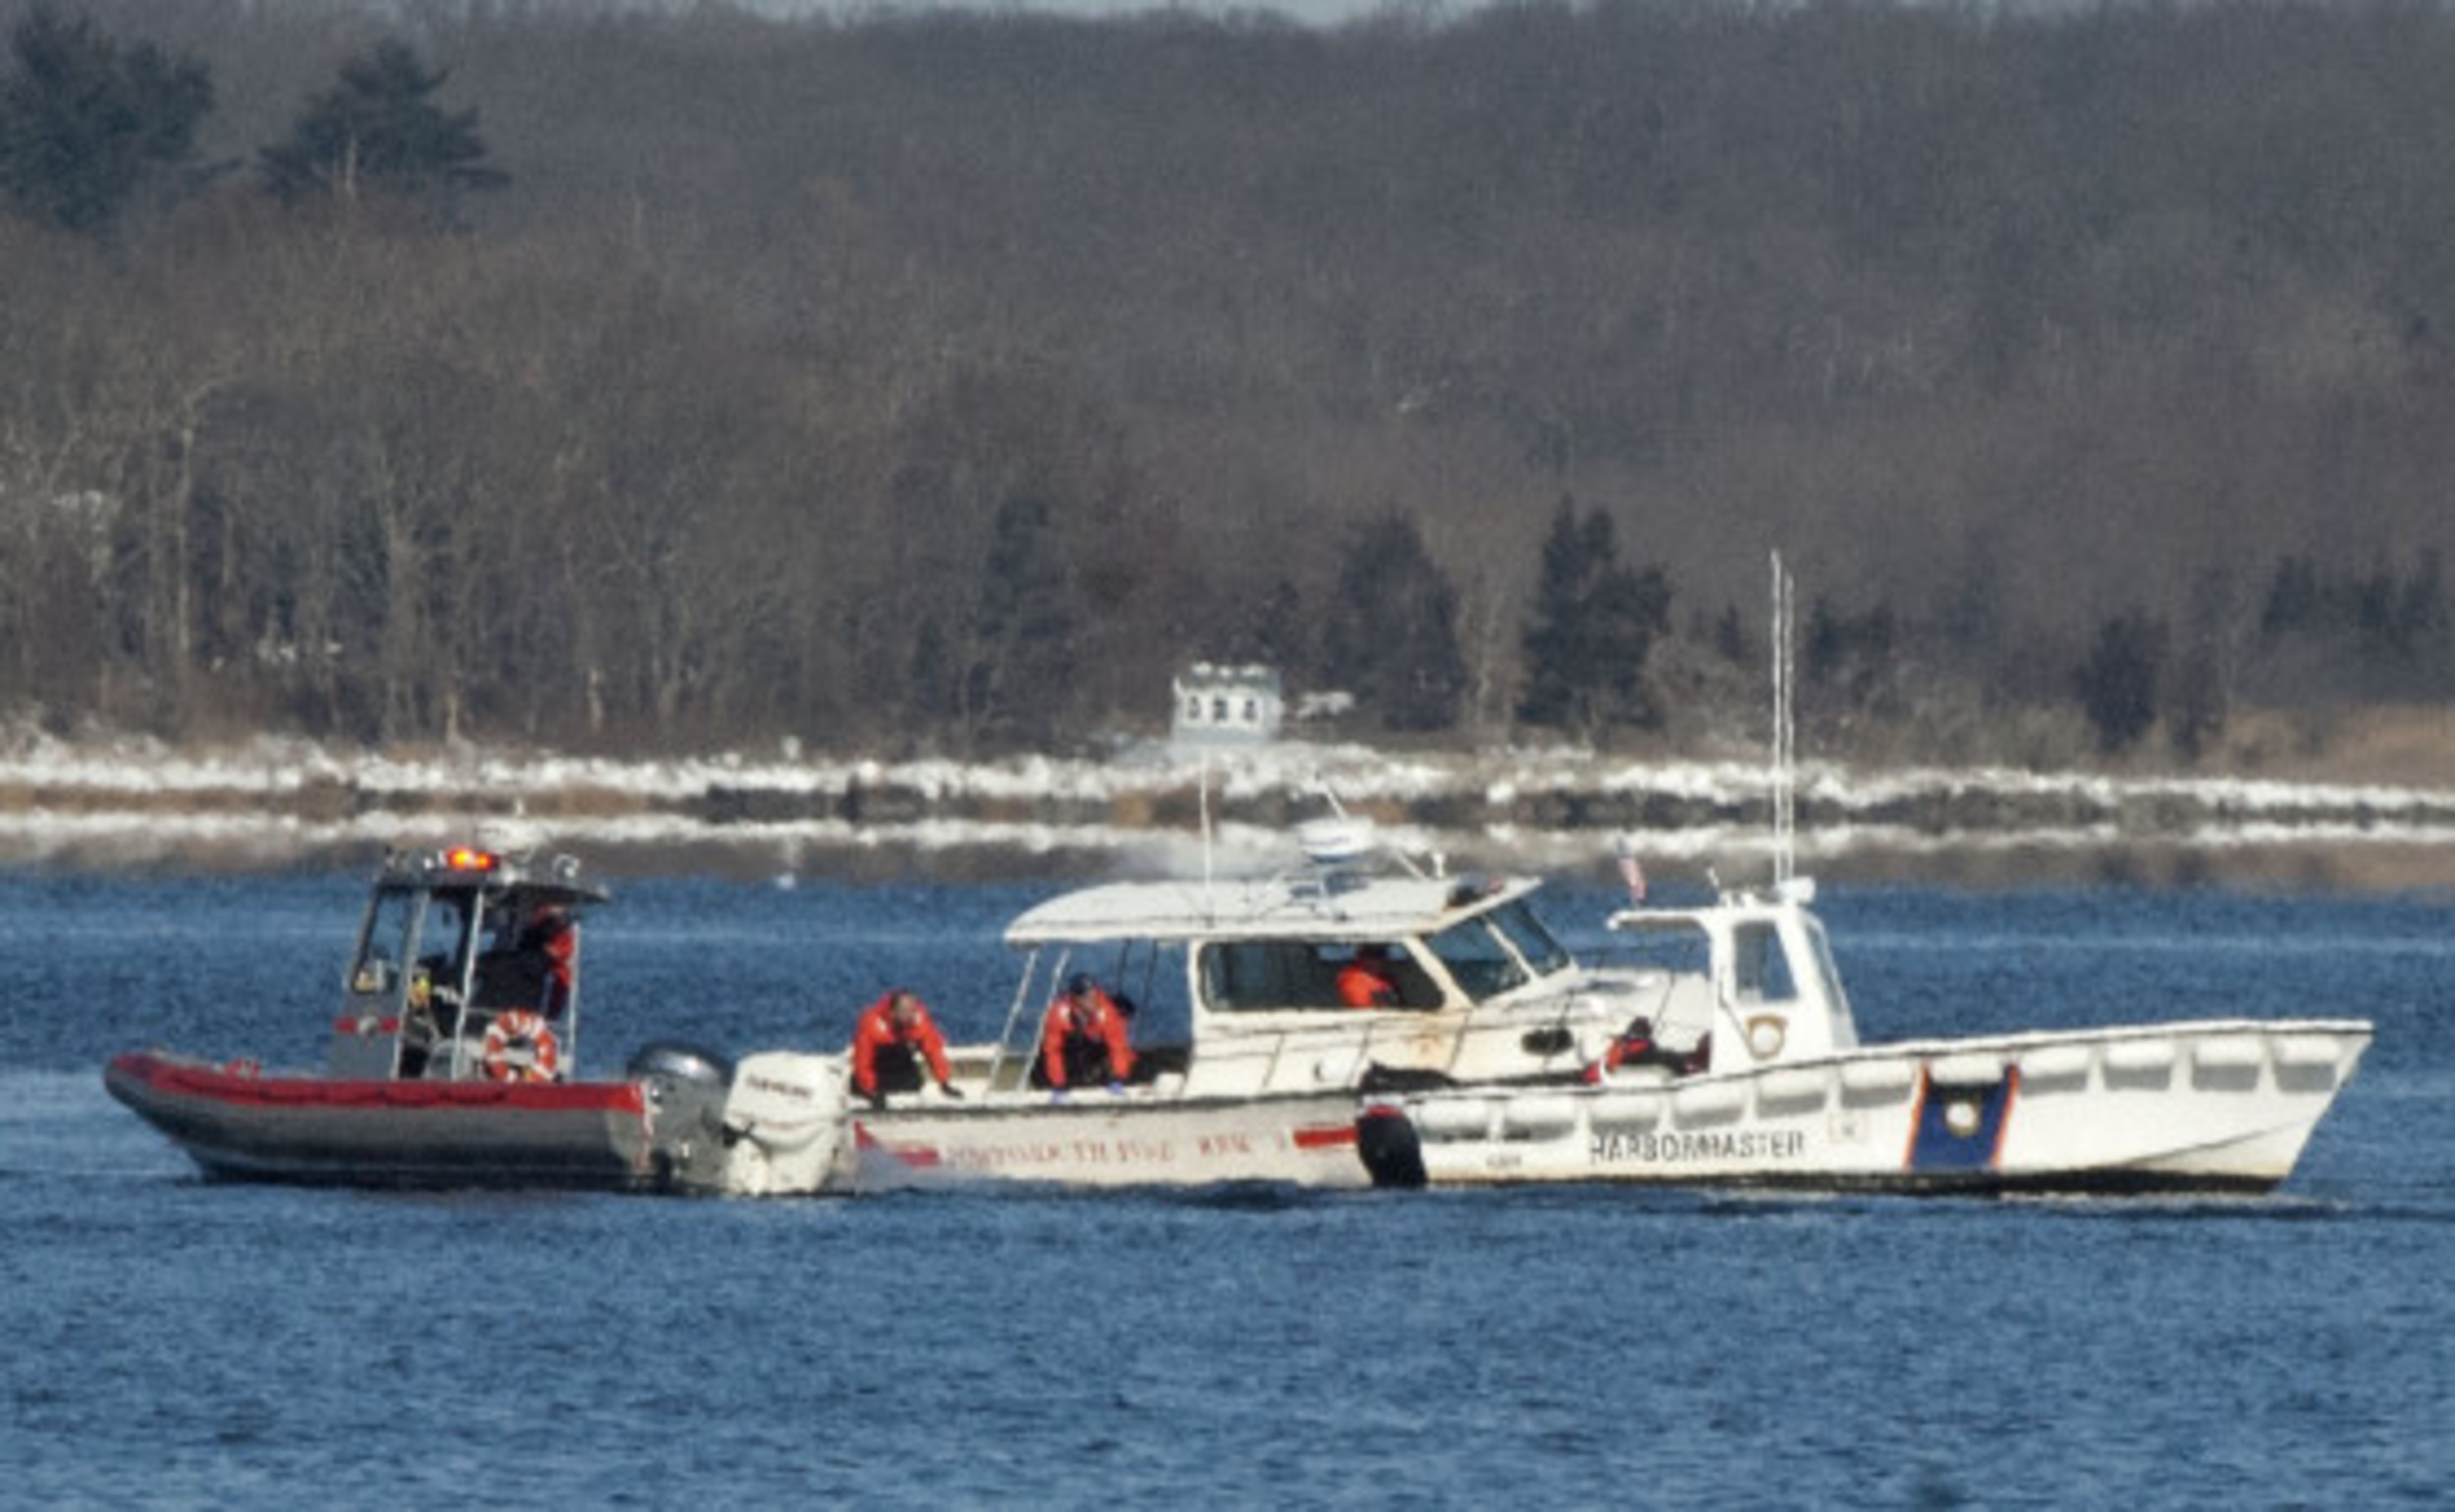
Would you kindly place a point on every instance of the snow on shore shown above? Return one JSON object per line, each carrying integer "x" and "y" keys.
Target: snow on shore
{"x": 134, "y": 801}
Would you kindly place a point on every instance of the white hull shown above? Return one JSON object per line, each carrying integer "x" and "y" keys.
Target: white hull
{"x": 794, "y": 1136}
{"x": 2211, "y": 1106}
{"x": 1255, "y": 1041}
{"x": 1100, "y": 1141}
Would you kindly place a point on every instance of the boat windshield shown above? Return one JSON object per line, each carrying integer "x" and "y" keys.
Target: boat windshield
{"x": 1499, "y": 951}
{"x": 1534, "y": 942}
{"x": 385, "y": 944}
{"x": 413, "y": 935}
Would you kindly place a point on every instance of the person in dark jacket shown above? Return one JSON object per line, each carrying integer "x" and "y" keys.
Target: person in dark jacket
{"x": 553, "y": 939}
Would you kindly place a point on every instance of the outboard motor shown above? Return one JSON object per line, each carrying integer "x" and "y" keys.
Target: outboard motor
{"x": 687, "y": 1087}
{"x": 673, "y": 1061}
{"x": 785, "y": 1125}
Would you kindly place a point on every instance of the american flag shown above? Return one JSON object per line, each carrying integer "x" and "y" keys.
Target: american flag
{"x": 1630, "y": 871}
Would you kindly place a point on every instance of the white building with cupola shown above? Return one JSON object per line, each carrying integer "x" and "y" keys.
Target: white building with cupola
{"x": 1228, "y": 705}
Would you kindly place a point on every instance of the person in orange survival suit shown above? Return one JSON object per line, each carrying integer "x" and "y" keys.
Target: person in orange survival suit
{"x": 1369, "y": 981}
{"x": 1636, "y": 1045}
{"x": 1083, "y": 1039}
{"x": 894, "y": 1036}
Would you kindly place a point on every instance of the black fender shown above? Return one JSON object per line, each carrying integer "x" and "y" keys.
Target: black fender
{"x": 1392, "y": 1151}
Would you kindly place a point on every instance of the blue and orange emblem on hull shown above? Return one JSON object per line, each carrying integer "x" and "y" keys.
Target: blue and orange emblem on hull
{"x": 1960, "y": 1127}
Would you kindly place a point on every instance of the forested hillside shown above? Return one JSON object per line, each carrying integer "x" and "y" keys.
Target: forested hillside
{"x": 622, "y": 378}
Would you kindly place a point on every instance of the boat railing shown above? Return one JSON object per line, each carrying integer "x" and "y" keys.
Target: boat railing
{"x": 1377, "y": 1029}
{"x": 1009, "y": 1050}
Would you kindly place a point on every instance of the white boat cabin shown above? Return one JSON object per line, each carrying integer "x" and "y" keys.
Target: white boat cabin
{"x": 1747, "y": 980}
{"x": 1237, "y": 984}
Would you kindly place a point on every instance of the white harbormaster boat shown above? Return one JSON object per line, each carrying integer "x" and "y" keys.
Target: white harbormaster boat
{"x": 1250, "y": 1063}
{"x": 1766, "y": 1083}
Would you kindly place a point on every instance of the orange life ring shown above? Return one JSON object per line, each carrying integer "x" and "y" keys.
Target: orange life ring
{"x": 508, "y": 1036}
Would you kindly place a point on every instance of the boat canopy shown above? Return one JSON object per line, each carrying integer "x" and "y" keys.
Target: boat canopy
{"x": 490, "y": 874}
{"x": 1335, "y": 907}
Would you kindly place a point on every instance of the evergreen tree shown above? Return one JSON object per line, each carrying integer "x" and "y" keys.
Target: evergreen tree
{"x": 84, "y": 121}
{"x": 1595, "y": 624}
{"x": 2199, "y": 703}
{"x": 1277, "y": 636}
{"x": 1848, "y": 659}
{"x": 2293, "y": 599}
{"x": 2199, "y": 698}
{"x": 2118, "y": 682}
{"x": 2378, "y": 619}
{"x": 2421, "y": 610}
{"x": 1017, "y": 682}
{"x": 1555, "y": 643}
{"x": 931, "y": 685}
{"x": 1730, "y": 639}
{"x": 376, "y": 129}
{"x": 1392, "y": 638}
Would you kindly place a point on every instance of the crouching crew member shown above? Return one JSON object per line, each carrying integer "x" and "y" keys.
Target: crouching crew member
{"x": 1636, "y": 1045}
{"x": 894, "y": 1037}
{"x": 1084, "y": 1039}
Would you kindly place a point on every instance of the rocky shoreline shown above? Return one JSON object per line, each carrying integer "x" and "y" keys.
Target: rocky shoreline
{"x": 292, "y": 801}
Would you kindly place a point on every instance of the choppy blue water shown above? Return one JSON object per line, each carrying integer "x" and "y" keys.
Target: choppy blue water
{"x": 167, "y": 1342}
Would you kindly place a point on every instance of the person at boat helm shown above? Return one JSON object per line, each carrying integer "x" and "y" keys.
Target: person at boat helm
{"x": 1083, "y": 1039}
{"x": 553, "y": 937}
{"x": 1368, "y": 980}
{"x": 1636, "y": 1045}
{"x": 890, "y": 1043}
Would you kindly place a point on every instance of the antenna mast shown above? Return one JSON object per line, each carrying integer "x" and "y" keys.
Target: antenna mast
{"x": 1784, "y": 795}
{"x": 1202, "y": 790}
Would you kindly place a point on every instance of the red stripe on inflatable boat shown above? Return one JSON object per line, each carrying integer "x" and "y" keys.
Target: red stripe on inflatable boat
{"x": 197, "y": 1079}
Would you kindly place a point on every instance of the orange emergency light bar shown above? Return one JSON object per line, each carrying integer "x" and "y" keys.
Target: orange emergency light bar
{"x": 464, "y": 858}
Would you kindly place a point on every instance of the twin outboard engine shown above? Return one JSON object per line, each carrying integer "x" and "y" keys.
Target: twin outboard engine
{"x": 687, "y": 1088}
{"x": 784, "y": 1125}
{"x": 672, "y": 1061}
{"x": 773, "y": 1124}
